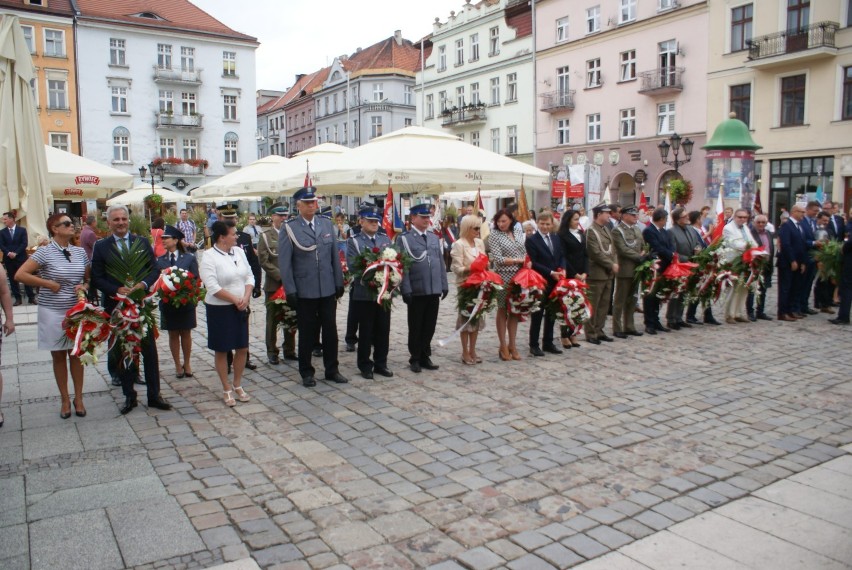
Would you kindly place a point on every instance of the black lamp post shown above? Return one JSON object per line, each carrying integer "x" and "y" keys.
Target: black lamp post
{"x": 157, "y": 170}
{"x": 676, "y": 144}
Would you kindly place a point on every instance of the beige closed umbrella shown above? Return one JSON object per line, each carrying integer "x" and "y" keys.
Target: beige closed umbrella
{"x": 23, "y": 167}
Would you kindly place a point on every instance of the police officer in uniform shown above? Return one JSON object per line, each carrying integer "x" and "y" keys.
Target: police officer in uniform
{"x": 373, "y": 320}
{"x": 267, "y": 252}
{"x": 627, "y": 237}
{"x": 423, "y": 286}
{"x": 313, "y": 280}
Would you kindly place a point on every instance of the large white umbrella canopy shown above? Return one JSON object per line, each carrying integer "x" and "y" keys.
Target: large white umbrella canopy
{"x": 137, "y": 196}
{"x": 421, "y": 160}
{"x": 23, "y": 168}
{"x": 74, "y": 177}
{"x": 260, "y": 178}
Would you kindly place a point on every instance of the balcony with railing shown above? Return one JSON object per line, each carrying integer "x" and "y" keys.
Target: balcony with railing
{"x": 172, "y": 121}
{"x": 661, "y": 81}
{"x": 466, "y": 115}
{"x": 813, "y": 42}
{"x": 169, "y": 75}
{"x": 178, "y": 167}
{"x": 557, "y": 101}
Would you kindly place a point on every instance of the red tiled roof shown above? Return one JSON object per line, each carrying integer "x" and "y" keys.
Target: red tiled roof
{"x": 176, "y": 15}
{"x": 54, "y": 7}
{"x": 522, "y": 22}
{"x": 386, "y": 54}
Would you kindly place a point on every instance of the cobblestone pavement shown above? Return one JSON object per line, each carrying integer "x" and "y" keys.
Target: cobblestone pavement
{"x": 543, "y": 463}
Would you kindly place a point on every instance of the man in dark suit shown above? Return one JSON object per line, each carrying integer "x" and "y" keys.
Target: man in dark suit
{"x": 13, "y": 244}
{"x": 836, "y": 226}
{"x": 313, "y": 280}
{"x": 423, "y": 285}
{"x": 545, "y": 251}
{"x": 660, "y": 242}
{"x": 687, "y": 243}
{"x": 809, "y": 225}
{"x": 845, "y": 284}
{"x": 692, "y": 308}
{"x": 766, "y": 240}
{"x": 105, "y": 249}
{"x": 791, "y": 265}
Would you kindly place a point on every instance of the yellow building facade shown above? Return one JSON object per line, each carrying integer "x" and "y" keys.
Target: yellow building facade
{"x": 785, "y": 69}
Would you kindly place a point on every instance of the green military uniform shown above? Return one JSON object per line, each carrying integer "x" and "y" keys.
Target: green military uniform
{"x": 629, "y": 246}
{"x": 602, "y": 258}
{"x": 267, "y": 251}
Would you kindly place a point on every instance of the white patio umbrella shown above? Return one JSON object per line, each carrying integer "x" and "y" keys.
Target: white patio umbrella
{"x": 23, "y": 168}
{"x": 137, "y": 196}
{"x": 74, "y": 177}
{"x": 420, "y": 160}
{"x": 257, "y": 179}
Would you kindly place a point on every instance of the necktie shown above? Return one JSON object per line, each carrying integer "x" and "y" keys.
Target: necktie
{"x": 171, "y": 259}
{"x": 745, "y": 237}
{"x": 123, "y": 244}
{"x": 311, "y": 225}
{"x": 424, "y": 238}
{"x": 549, "y": 243}
{"x": 799, "y": 227}
{"x": 834, "y": 223}
{"x": 373, "y": 241}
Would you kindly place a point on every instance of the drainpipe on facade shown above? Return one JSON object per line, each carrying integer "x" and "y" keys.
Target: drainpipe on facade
{"x": 535, "y": 91}
{"x": 77, "y": 78}
{"x": 422, "y": 85}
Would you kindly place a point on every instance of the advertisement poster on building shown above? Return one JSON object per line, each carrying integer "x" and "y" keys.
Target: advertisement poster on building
{"x": 736, "y": 169}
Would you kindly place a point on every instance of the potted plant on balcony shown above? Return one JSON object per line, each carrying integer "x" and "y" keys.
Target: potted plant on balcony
{"x": 446, "y": 113}
{"x": 680, "y": 191}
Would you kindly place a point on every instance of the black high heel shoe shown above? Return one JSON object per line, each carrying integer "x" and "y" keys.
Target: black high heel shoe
{"x": 65, "y": 415}
{"x": 78, "y": 413}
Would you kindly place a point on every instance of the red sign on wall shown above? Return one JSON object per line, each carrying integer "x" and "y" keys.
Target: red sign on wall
{"x": 559, "y": 187}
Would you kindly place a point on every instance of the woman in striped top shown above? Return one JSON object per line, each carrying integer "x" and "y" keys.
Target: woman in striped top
{"x": 60, "y": 270}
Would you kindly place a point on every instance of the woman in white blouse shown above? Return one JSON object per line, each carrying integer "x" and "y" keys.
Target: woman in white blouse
{"x": 229, "y": 281}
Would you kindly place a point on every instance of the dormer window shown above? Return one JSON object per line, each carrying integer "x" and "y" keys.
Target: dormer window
{"x": 149, "y": 15}
{"x": 42, "y": 3}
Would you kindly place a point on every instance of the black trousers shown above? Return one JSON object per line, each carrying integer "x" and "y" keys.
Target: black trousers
{"x": 373, "y": 322}
{"x": 806, "y": 284}
{"x": 151, "y": 363}
{"x": 651, "y": 310}
{"x": 422, "y": 317}
{"x": 845, "y": 294}
{"x": 311, "y": 314}
{"x": 789, "y": 287}
{"x": 692, "y": 310}
{"x": 823, "y": 294}
{"x": 351, "y": 323}
{"x": 12, "y": 267}
{"x": 535, "y": 329}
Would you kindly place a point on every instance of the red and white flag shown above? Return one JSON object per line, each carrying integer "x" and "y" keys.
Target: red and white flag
{"x": 643, "y": 207}
{"x": 478, "y": 205}
{"x": 387, "y": 216}
{"x": 308, "y": 181}
{"x": 720, "y": 215}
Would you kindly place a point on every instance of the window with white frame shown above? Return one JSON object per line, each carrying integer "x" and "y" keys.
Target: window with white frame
{"x": 474, "y": 138}
{"x": 474, "y": 93}
{"x": 442, "y": 58}
{"x": 120, "y": 145}
{"x": 665, "y": 4}
{"x": 54, "y": 43}
{"x": 230, "y": 107}
{"x": 494, "y": 41}
{"x": 593, "y": 19}
{"x": 593, "y": 127}
{"x": 562, "y": 29}
{"x": 167, "y": 101}
{"x": 356, "y": 134}
{"x": 29, "y": 37}
{"x": 627, "y": 124}
{"x": 460, "y": 96}
{"x": 345, "y": 133}
{"x": 459, "y": 52}
{"x": 375, "y": 127}
{"x": 563, "y": 131}
{"x": 119, "y": 99}
{"x": 117, "y": 52}
{"x": 495, "y": 90}
{"x": 512, "y": 139}
{"x": 430, "y": 106}
{"x": 593, "y": 73}
{"x": 628, "y": 65}
{"x": 164, "y": 56}
{"x": 167, "y": 147}
{"x": 442, "y": 100}
{"x": 190, "y": 149}
{"x": 665, "y": 118}
{"x": 188, "y": 103}
{"x": 627, "y": 13}
{"x": 319, "y": 136}
{"x": 495, "y": 140}
{"x": 229, "y": 63}
{"x": 511, "y": 87}
{"x": 187, "y": 58}
{"x": 474, "y": 47}
{"x": 62, "y": 141}
{"x": 57, "y": 93}
{"x": 741, "y": 22}
{"x": 408, "y": 95}
{"x": 231, "y": 140}
{"x": 378, "y": 92}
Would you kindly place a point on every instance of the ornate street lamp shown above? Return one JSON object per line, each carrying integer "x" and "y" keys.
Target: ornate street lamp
{"x": 157, "y": 170}
{"x": 676, "y": 144}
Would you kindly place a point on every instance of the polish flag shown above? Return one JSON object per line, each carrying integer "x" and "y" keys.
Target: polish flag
{"x": 307, "y": 174}
{"x": 720, "y": 215}
{"x": 668, "y": 208}
{"x": 643, "y": 207}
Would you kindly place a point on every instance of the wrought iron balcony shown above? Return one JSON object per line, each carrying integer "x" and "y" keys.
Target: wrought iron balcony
{"x": 183, "y": 169}
{"x": 170, "y": 120}
{"x": 661, "y": 81}
{"x": 177, "y": 75}
{"x": 816, "y": 40}
{"x": 467, "y": 115}
{"x": 556, "y": 101}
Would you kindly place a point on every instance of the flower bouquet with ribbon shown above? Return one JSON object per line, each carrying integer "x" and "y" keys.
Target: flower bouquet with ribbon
{"x": 380, "y": 270}
{"x": 87, "y": 326}
{"x": 568, "y": 304}
{"x": 179, "y": 288}
{"x": 526, "y": 290}
{"x": 749, "y": 266}
{"x": 674, "y": 279}
{"x": 281, "y": 311}
{"x": 475, "y": 297}
{"x": 347, "y": 275}
{"x": 646, "y": 274}
{"x": 701, "y": 284}
{"x": 133, "y": 316}
{"x": 828, "y": 257}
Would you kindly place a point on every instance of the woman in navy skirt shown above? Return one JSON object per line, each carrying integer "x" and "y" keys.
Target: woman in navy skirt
{"x": 229, "y": 281}
{"x": 179, "y": 321}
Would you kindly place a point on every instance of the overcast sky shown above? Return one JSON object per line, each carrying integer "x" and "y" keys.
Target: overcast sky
{"x": 297, "y": 36}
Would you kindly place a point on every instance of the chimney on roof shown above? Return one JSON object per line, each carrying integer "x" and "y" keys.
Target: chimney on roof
{"x": 397, "y": 35}
{"x": 299, "y": 77}
{"x": 343, "y": 57}
{"x": 358, "y": 50}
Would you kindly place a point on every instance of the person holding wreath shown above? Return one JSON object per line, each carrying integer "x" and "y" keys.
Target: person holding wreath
{"x": 506, "y": 244}
{"x": 178, "y": 321}
{"x": 464, "y": 252}
{"x": 60, "y": 270}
